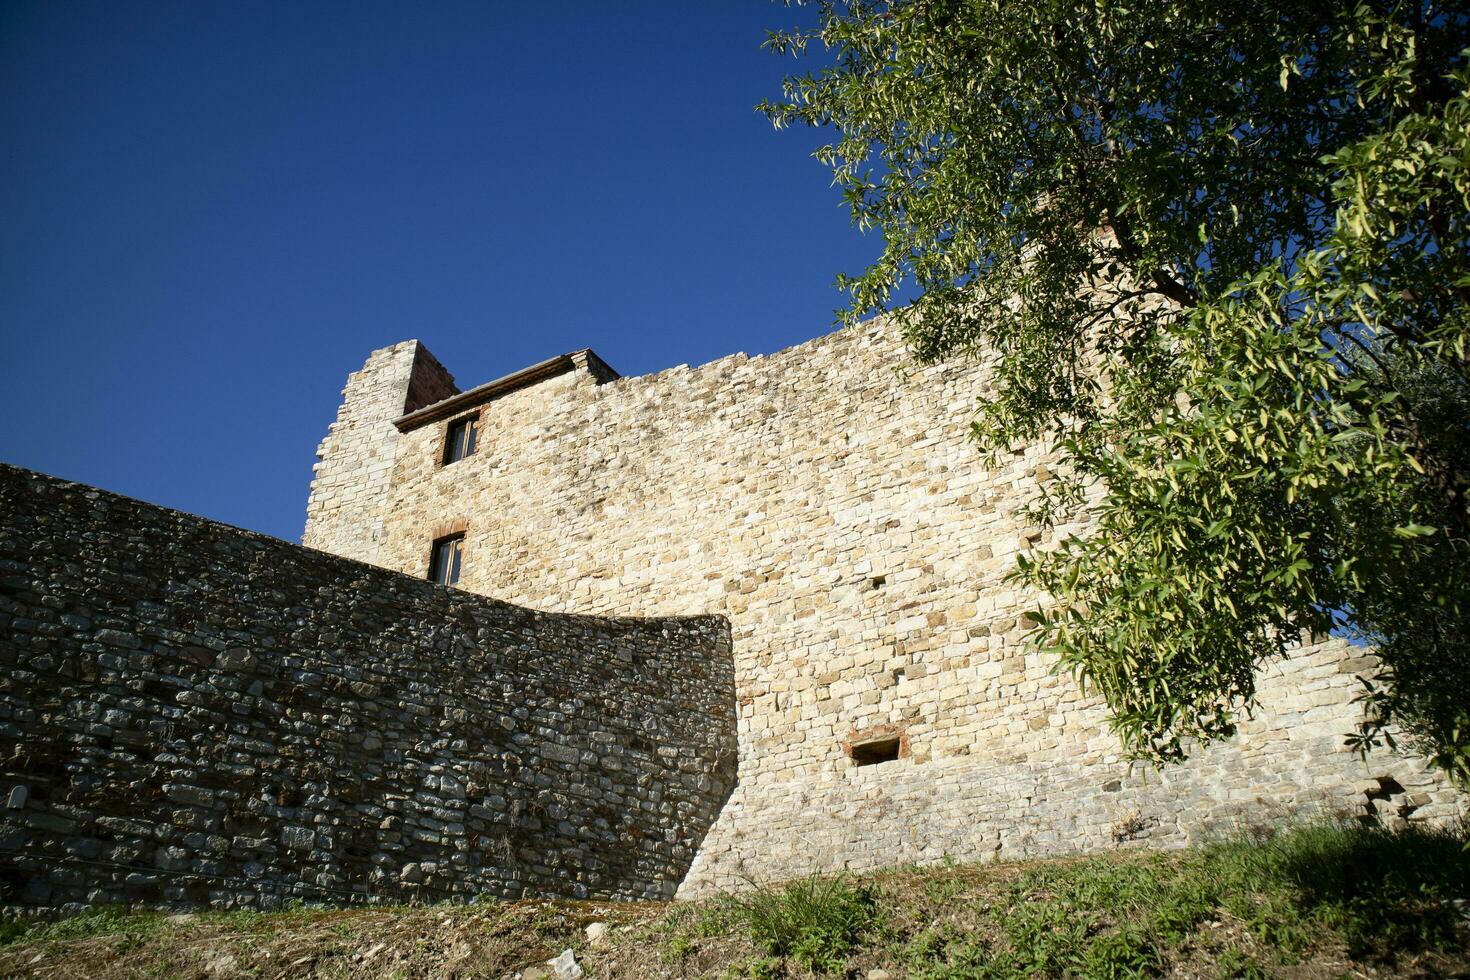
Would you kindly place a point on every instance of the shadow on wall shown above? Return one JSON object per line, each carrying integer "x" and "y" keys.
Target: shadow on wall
{"x": 198, "y": 715}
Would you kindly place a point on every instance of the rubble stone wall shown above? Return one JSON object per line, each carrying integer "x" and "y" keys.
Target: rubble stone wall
{"x": 194, "y": 714}
{"x": 828, "y": 501}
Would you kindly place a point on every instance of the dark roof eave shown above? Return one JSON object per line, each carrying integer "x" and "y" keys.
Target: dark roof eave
{"x": 549, "y": 368}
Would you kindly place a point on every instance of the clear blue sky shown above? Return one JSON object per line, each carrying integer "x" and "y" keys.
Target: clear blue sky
{"x": 211, "y": 212}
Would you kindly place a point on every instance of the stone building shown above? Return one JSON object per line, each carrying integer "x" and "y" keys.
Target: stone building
{"x": 827, "y": 502}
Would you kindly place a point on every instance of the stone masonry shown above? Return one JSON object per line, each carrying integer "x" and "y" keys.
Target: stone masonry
{"x": 192, "y": 714}
{"x": 827, "y": 501}
{"x": 350, "y": 489}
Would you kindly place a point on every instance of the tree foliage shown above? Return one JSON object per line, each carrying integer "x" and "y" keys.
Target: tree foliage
{"x": 1218, "y": 255}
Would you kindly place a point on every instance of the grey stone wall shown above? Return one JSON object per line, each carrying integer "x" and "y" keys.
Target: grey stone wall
{"x": 193, "y": 714}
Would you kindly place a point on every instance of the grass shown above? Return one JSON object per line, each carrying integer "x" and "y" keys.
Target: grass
{"x": 1312, "y": 901}
{"x": 1380, "y": 890}
{"x": 1252, "y": 903}
{"x": 814, "y": 922}
{"x": 103, "y": 920}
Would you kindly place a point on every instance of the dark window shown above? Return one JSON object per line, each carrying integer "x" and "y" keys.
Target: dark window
{"x": 460, "y": 441}
{"x": 872, "y": 753}
{"x": 445, "y": 562}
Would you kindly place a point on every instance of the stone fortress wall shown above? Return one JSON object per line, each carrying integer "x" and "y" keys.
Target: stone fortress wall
{"x": 827, "y": 501}
{"x": 192, "y": 714}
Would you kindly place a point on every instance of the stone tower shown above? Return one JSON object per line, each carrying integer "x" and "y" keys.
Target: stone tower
{"x": 353, "y": 475}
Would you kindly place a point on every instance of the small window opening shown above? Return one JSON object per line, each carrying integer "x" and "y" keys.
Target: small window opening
{"x": 872, "y": 753}
{"x": 445, "y": 561}
{"x": 878, "y": 581}
{"x": 459, "y": 442}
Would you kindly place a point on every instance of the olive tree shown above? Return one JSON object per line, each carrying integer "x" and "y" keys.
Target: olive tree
{"x": 1217, "y": 255}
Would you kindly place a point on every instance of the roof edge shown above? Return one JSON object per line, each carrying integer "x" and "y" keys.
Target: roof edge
{"x": 490, "y": 390}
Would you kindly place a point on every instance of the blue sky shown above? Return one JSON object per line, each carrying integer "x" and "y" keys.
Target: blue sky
{"x": 212, "y": 212}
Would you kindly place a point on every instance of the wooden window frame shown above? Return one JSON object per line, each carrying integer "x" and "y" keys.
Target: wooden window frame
{"x": 457, "y": 432}
{"x": 438, "y": 573}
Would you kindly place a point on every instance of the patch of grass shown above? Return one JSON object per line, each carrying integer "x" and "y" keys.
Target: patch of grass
{"x": 1127, "y": 954}
{"x": 1234, "y": 964}
{"x": 1385, "y": 892}
{"x": 546, "y": 921}
{"x": 813, "y": 921}
{"x": 677, "y": 918}
{"x": 245, "y": 920}
{"x": 943, "y": 887}
{"x": 13, "y": 931}
{"x": 945, "y": 955}
{"x": 103, "y": 920}
{"x": 765, "y": 968}
{"x": 717, "y": 919}
{"x": 928, "y": 948}
{"x": 678, "y": 949}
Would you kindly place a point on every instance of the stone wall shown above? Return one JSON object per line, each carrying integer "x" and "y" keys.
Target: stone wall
{"x": 1288, "y": 762}
{"x": 349, "y": 489}
{"x": 828, "y": 501}
{"x": 190, "y": 714}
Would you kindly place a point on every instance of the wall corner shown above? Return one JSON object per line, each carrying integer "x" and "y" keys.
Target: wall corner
{"x": 352, "y": 482}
